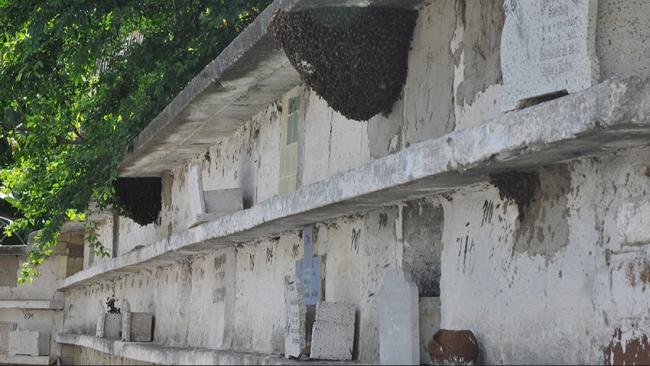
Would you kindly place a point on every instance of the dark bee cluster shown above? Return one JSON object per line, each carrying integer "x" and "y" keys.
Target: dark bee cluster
{"x": 354, "y": 58}
{"x": 140, "y": 199}
{"x": 519, "y": 187}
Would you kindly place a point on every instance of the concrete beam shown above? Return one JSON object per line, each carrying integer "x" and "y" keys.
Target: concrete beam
{"x": 25, "y": 360}
{"x": 31, "y": 304}
{"x": 149, "y": 352}
{"x": 19, "y": 250}
{"x": 605, "y": 118}
{"x": 245, "y": 78}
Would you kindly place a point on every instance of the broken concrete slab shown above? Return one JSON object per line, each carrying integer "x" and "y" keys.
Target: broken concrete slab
{"x": 29, "y": 343}
{"x": 547, "y": 47}
{"x": 333, "y": 333}
{"x": 399, "y": 325}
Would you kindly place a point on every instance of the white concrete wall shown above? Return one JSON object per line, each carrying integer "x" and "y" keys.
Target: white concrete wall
{"x": 555, "y": 287}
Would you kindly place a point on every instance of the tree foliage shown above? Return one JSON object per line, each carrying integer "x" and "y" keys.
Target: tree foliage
{"x": 78, "y": 80}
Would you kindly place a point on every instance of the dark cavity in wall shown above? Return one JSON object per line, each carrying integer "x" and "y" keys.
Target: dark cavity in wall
{"x": 354, "y": 58}
{"x": 519, "y": 187}
{"x": 139, "y": 198}
{"x": 422, "y": 228}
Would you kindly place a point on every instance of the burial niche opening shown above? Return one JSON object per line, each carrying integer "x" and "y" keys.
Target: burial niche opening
{"x": 140, "y": 199}
{"x": 354, "y": 58}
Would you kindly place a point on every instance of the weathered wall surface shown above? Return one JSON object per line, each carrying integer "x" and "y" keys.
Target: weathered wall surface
{"x": 554, "y": 286}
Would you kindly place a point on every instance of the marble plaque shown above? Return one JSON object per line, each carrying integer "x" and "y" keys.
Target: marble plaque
{"x": 547, "y": 47}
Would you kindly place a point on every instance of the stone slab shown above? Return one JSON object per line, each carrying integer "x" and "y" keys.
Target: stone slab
{"x": 547, "y": 47}
{"x": 141, "y": 327}
{"x": 295, "y": 334}
{"x": 112, "y": 326}
{"x": 399, "y": 326}
{"x": 333, "y": 333}
{"x": 429, "y": 324}
{"x": 29, "y": 343}
{"x": 223, "y": 201}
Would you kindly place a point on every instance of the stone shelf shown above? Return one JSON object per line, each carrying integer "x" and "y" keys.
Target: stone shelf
{"x": 149, "y": 352}
{"x": 31, "y": 304}
{"x": 25, "y": 360}
{"x": 609, "y": 116}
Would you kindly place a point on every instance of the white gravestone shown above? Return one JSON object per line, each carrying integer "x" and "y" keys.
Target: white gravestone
{"x": 294, "y": 341}
{"x": 126, "y": 321}
{"x": 547, "y": 47}
{"x": 399, "y": 320}
{"x": 99, "y": 332}
{"x": 333, "y": 332}
{"x": 141, "y": 327}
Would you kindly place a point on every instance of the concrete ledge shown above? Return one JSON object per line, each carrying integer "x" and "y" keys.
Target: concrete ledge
{"x": 149, "y": 352}
{"x": 19, "y": 250}
{"x": 245, "y": 78}
{"x": 610, "y": 116}
{"x": 25, "y": 360}
{"x": 31, "y": 304}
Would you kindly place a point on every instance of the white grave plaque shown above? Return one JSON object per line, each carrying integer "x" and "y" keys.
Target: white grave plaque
{"x": 294, "y": 341}
{"x": 126, "y": 321}
{"x": 547, "y": 46}
{"x": 99, "y": 332}
{"x": 399, "y": 320}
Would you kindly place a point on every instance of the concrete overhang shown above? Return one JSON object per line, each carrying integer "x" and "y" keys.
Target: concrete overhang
{"x": 246, "y": 77}
{"x": 19, "y": 250}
